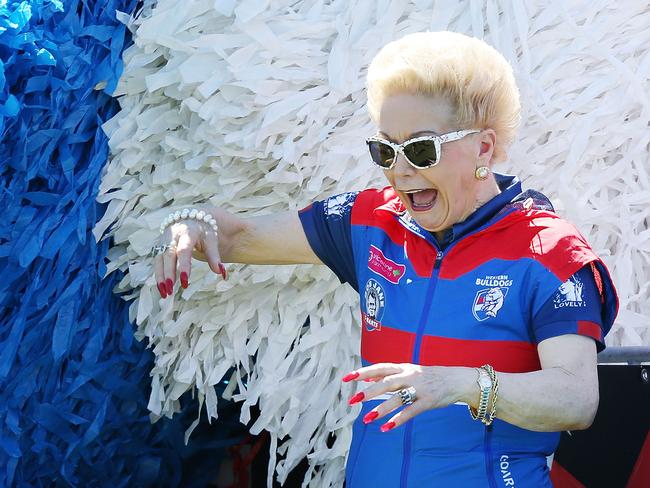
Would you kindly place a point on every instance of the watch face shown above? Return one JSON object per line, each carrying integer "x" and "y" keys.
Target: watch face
{"x": 485, "y": 381}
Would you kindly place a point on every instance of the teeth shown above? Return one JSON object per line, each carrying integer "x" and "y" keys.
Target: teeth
{"x": 415, "y": 191}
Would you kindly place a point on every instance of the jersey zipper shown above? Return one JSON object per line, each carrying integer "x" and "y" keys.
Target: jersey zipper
{"x": 406, "y": 459}
{"x": 489, "y": 462}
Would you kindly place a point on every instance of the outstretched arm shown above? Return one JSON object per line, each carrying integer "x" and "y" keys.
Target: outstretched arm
{"x": 563, "y": 395}
{"x": 268, "y": 239}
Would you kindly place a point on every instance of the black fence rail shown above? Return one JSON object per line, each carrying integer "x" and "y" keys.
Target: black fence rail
{"x": 625, "y": 354}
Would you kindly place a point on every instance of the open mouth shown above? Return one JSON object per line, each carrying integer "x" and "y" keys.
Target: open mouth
{"x": 422, "y": 199}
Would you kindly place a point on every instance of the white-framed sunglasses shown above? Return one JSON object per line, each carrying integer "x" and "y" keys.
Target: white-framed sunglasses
{"x": 420, "y": 152}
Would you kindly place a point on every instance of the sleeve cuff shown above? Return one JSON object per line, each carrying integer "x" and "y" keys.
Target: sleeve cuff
{"x": 580, "y": 327}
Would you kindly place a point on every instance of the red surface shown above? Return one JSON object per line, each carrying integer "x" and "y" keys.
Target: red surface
{"x": 538, "y": 235}
{"x": 561, "y": 478}
{"x": 504, "y": 356}
{"x": 388, "y": 345}
{"x": 640, "y": 477}
{"x": 376, "y": 208}
{"x": 590, "y": 329}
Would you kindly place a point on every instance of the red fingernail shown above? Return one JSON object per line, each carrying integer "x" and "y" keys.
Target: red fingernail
{"x": 222, "y": 268}
{"x": 387, "y": 426}
{"x": 184, "y": 279}
{"x": 162, "y": 290}
{"x": 350, "y": 376}
{"x": 356, "y": 398}
{"x": 370, "y": 380}
{"x": 370, "y": 416}
{"x": 170, "y": 286}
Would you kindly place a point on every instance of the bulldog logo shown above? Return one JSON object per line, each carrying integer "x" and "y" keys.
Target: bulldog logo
{"x": 488, "y": 302}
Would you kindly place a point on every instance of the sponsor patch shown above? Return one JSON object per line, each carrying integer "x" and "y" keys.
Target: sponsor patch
{"x": 387, "y": 268}
{"x": 569, "y": 294}
{"x": 374, "y": 302}
{"x": 506, "y": 474}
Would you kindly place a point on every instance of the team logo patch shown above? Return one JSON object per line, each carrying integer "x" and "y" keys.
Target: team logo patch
{"x": 569, "y": 294}
{"x": 375, "y": 302}
{"x": 380, "y": 264}
{"x": 489, "y": 301}
{"x": 338, "y": 204}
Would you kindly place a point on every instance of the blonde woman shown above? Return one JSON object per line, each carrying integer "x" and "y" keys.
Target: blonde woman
{"x": 477, "y": 360}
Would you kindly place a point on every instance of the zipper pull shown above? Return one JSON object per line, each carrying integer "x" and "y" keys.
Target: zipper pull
{"x": 436, "y": 265}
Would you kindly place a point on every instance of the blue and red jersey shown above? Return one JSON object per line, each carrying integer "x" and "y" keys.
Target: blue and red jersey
{"x": 499, "y": 283}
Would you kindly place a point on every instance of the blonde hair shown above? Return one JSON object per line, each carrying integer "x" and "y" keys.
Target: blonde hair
{"x": 472, "y": 75}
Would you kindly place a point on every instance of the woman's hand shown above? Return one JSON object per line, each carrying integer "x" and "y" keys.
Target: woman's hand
{"x": 434, "y": 387}
{"x": 190, "y": 237}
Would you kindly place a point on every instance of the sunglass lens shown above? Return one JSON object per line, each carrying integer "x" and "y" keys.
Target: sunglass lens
{"x": 421, "y": 153}
{"x": 381, "y": 153}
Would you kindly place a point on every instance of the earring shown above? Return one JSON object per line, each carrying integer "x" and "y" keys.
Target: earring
{"x": 482, "y": 172}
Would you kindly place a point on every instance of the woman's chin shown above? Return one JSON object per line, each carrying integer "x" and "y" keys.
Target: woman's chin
{"x": 432, "y": 219}
{"x": 428, "y": 221}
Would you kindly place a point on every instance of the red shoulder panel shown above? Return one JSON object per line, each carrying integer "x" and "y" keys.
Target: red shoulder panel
{"x": 538, "y": 235}
{"x": 368, "y": 201}
{"x": 377, "y": 208}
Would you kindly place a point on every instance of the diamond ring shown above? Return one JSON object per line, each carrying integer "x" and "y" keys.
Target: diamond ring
{"x": 159, "y": 249}
{"x": 407, "y": 395}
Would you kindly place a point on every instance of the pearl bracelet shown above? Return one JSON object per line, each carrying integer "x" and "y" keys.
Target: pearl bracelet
{"x": 189, "y": 213}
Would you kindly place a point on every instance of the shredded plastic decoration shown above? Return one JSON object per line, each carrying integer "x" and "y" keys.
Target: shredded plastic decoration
{"x": 258, "y": 107}
{"x": 73, "y": 381}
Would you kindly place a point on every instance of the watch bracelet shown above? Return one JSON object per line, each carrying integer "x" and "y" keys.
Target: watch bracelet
{"x": 488, "y": 419}
{"x": 481, "y": 412}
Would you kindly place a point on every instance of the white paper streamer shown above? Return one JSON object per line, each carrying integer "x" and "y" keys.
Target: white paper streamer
{"x": 258, "y": 106}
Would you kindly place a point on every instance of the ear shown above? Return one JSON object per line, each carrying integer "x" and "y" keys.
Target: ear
{"x": 488, "y": 139}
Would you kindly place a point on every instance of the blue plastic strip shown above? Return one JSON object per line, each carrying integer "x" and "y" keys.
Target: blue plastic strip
{"x": 74, "y": 383}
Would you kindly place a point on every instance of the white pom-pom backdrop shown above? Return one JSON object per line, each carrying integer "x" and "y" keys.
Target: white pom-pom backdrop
{"x": 259, "y": 106}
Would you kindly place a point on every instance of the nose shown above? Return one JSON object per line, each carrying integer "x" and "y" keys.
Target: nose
{"x": 402, "y": 166}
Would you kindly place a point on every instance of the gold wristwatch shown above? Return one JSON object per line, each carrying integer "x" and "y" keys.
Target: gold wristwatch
{"x": 484, "y": 382}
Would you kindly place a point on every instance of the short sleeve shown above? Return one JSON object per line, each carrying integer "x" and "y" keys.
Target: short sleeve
{"x": 327, "y": 225}
{"x": 575, "y": 308}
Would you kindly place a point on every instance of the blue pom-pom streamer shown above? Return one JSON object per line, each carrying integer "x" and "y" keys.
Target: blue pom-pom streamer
{"x": 73, "y": 381}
